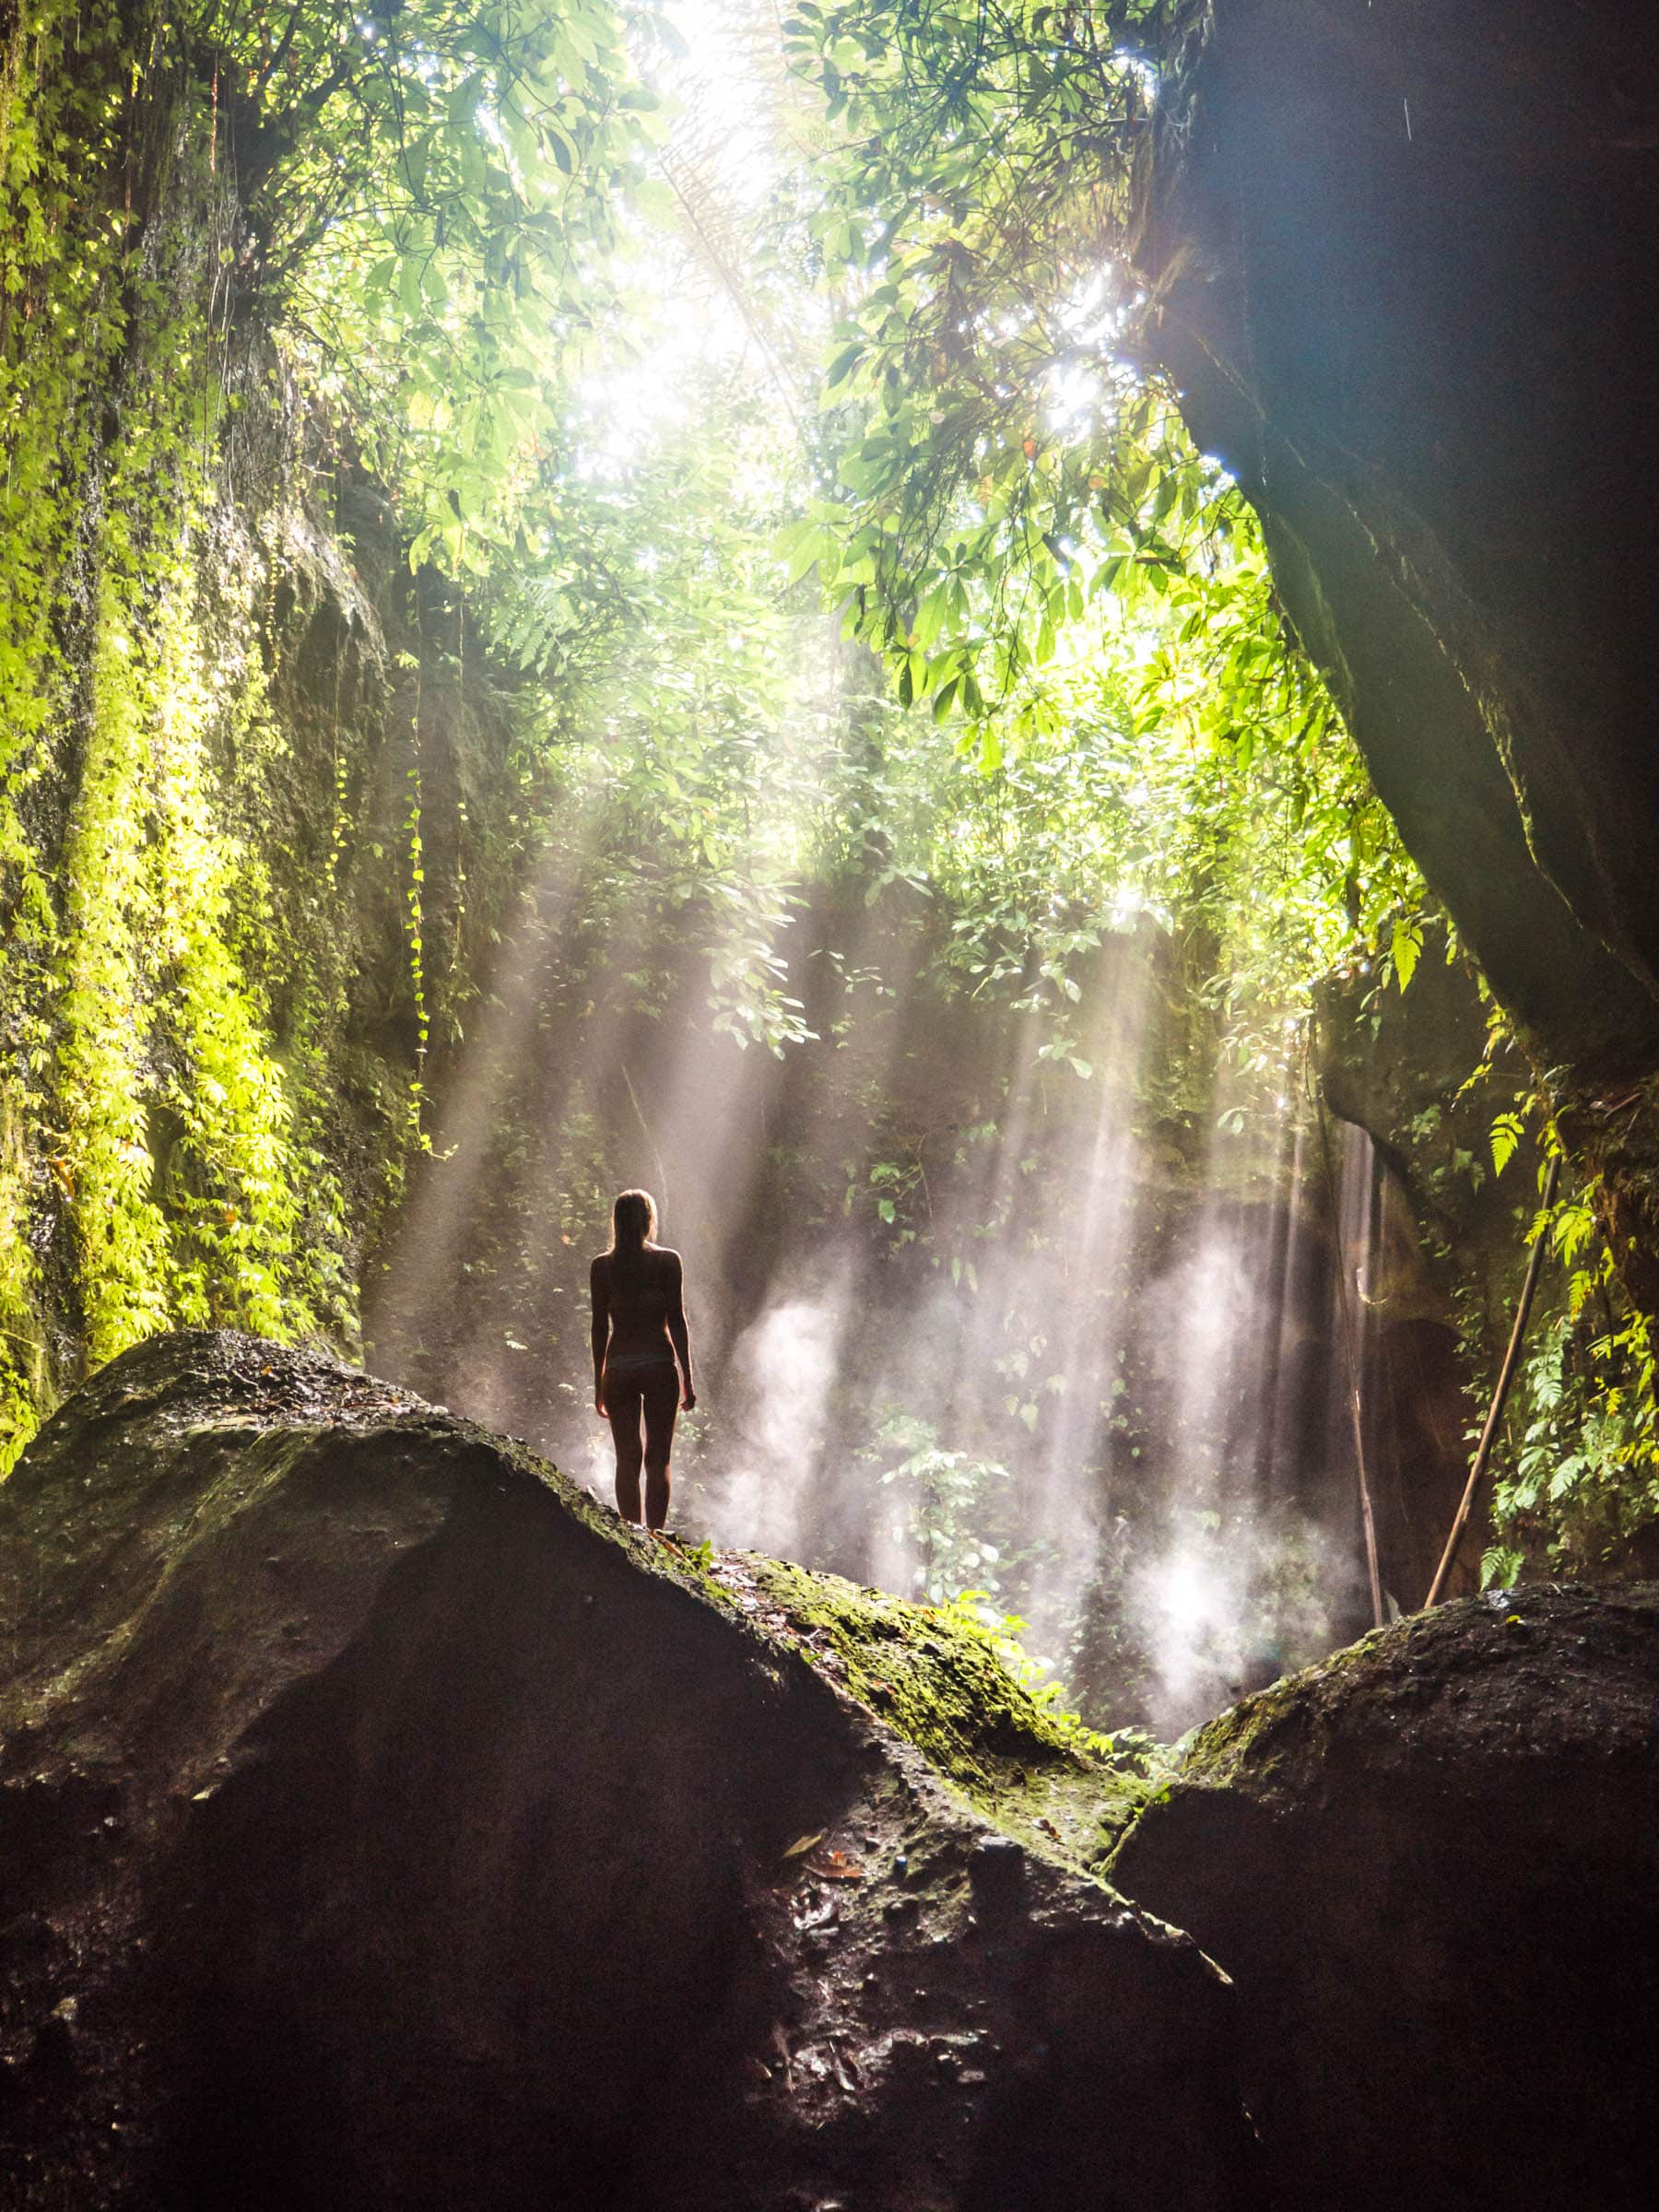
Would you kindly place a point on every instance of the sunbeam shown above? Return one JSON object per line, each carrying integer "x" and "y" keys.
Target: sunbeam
{"x": 1012, "y": 1260}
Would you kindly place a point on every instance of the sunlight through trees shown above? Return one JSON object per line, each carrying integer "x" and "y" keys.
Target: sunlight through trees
{"x": 720, "y": 450}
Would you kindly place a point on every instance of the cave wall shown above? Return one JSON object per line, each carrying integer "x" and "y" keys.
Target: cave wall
{"x": 1417, "y": 1071}
{"x": 1402, "y": 259}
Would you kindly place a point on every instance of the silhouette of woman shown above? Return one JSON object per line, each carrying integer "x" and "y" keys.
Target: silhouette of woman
{"x": 639, "y": 1332}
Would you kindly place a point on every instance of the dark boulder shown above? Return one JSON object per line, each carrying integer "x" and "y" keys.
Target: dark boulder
{"x": 1432, "y": 1866}
{"x": 382, "y": 1824}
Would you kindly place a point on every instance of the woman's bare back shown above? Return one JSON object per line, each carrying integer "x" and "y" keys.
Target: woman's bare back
{"x": 639, "y": 1298}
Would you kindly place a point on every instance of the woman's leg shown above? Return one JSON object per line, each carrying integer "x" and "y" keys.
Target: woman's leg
{"x": 622, "y": 1409}
{"x": 661, "y": 1403}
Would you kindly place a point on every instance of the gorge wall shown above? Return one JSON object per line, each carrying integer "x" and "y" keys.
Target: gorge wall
{"x": 1402, "y": 263}
{"x": 242, "y": 779}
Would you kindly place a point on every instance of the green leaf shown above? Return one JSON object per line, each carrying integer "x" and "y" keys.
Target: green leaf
{"x": 1407, "y": 944}
{"x": 1506, "y": 1132}
{"x": 843, "y": 365}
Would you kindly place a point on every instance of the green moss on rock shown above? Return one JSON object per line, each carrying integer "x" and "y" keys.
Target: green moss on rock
{"x": 938, "y": 1677}
{"x": 1405, "y": 1689}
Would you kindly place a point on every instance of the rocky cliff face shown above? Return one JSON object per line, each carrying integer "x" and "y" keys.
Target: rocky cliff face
{"x": 1403, "y": 259}
{"x": 384, "y": 1825}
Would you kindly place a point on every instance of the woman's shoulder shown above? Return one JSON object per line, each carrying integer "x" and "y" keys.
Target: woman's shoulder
{"x": 665, "y": 1258}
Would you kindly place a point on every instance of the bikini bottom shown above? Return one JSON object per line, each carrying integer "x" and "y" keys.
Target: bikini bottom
{"x": 636, "y": 1367}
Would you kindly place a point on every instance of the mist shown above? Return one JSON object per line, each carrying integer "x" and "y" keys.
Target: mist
{"x": 964, "y": 1318}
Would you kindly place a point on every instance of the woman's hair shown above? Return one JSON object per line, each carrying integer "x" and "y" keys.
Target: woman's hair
{"x": 633, "y": 1220}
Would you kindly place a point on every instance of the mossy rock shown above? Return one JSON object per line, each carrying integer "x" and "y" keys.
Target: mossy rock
{"x": 939, "y": 1678}
{"x": 1432, "y": 1865}
{"x": 385, "y": 1823}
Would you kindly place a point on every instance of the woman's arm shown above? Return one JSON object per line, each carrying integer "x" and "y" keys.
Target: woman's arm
{"x": 679, "y": 1335}
{"x": 599, "y": 1291}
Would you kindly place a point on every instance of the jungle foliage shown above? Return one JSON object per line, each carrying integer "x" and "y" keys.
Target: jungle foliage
{"x": 240, "y": 242}
{"x": 1004, "y": 463}
{"x": 917, "y": 587}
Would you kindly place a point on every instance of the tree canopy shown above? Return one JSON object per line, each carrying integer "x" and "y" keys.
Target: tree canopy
{"x": 764, "y": 401}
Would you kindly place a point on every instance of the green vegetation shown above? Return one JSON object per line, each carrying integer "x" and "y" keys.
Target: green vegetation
{"x": 1579, "y": 1472}
{"x": 955, "y": 1682}
{"x": 172, "y": 1010}
{"x": 893, "y": 587}
{"x": 123, "y": 1003}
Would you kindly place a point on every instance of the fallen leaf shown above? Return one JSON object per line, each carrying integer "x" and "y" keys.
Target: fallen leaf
{"x": 803, "y": 1843}
{"x": 835, "y": 1866}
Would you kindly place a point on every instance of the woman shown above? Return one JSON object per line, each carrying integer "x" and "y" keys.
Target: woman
{"x": 638, "y": 1331}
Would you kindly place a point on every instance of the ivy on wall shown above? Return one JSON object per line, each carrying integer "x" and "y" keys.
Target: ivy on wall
{"x": 417, "y": 206}
{"x": 245, "y": 247}
{"x": 153, "y": 1169}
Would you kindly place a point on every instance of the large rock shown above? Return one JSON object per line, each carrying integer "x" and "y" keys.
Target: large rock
{"x": 1433, "y": 1867}
{"x": 382, "y": 1824}
{"x": 1402, "y": 257}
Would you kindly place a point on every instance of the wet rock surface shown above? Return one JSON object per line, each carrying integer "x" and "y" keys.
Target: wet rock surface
{"x": 381, "y": 1824}
{"x": 1432, "y": 1866}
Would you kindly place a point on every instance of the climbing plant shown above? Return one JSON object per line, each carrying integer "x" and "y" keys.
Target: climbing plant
{"x": 1578, "y": 1463}
{"x": 415, "y": 207}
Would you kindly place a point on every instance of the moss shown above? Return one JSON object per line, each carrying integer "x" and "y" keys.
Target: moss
{"x": 1279, "y": 1732}
{"x": 938, "y": 1678}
